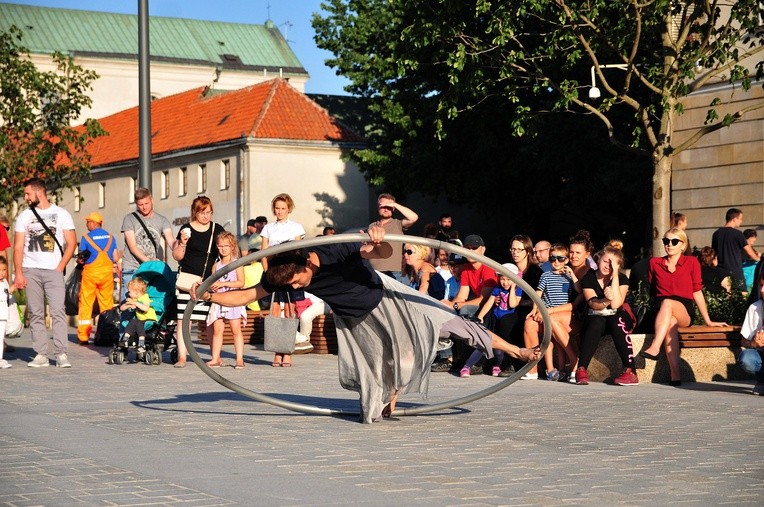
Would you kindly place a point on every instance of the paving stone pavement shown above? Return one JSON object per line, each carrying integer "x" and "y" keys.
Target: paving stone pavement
{"x": 132, "y": 434}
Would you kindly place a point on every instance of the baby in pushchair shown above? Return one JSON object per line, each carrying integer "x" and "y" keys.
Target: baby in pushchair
{"x": 144, "y": 315}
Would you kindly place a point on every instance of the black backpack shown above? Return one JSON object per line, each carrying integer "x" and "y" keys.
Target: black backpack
{"x": 107, "y": 332}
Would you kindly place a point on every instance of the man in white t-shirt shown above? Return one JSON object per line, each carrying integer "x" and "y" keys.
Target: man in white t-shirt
{"x": 43, "y": 244}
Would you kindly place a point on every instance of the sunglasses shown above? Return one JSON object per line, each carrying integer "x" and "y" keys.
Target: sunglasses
{"x": 673, "y": 241}
{"x": 557, "y": 258}
{"x": 408, "y": 251}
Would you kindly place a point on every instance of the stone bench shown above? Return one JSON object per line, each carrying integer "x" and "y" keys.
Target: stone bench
{"x": 707, "y": 354}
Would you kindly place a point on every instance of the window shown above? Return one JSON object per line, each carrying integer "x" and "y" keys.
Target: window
{"x": 133, "y": 186}
{"x": 102, "y": 195}
{"x": 201, "y": 183}
{"x": 182, "y": 182}
{"x": 225, "y": 175}
{"x": 164, "y": 184}
{"x": 77, "y": 199}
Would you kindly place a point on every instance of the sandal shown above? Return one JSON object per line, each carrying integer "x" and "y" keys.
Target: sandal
{"x": 286, "y": 365}
{"x": 180, "y": 364}
{"x": 217, "y": 364}
{"x": 238, "y": 366}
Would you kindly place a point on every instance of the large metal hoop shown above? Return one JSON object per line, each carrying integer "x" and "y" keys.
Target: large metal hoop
{"x": 352, "y": 238}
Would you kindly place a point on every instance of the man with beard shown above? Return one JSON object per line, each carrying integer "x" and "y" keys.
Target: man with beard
{"x": 40, "y": 260}
{"x": 445, "y": 228}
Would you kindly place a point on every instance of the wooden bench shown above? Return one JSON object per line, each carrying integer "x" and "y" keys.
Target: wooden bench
{"x": 323, "y": 336}
{"x": 706, "y": 336}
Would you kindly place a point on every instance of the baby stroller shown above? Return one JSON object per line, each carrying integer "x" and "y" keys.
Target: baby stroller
{"x": 159, "y": 335}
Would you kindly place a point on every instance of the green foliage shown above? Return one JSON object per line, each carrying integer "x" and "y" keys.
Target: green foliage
{"x": 729, "y": 308}
{"x": 36, "y": 109}
{"x": 452, "y": 82}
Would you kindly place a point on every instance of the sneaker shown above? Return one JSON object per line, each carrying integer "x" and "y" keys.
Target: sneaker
{"x": 495, "y": 371}
{"x": 530, "y": 376}
{"x": 582, "y": 378}
{"x": 464, "y": 372}
{"x": 627, "y": 378}
{"x": 508, "y": 371}
{"x": 303, "y": 348}
{"x": 62, "y": 361}
{"x": 476, "y": 369}
{"x": 4, "y": 364}
{"x": 553, "y": 375}
{"x": 441, "y": 367}
{"x": 39, "y": 361}
{"x": 758, "y": 389}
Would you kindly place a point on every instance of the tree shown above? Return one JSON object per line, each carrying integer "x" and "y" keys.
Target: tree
{"x": 534, "y": 56}
{"x": 36, "y": 110}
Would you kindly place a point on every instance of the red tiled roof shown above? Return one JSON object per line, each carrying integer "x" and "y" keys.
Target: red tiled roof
{"x": 269, "y": 110}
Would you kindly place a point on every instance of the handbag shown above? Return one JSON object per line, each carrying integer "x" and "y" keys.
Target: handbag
{"x": 186, "y": 280}
{"x": 14, "y": 326}
{"x": 279, "y": 333}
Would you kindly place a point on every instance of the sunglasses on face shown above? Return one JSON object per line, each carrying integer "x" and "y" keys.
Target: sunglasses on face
{"x": 557, "y": 258}
{"x": 408, "y": 251}
{"x": 673, "y": 241}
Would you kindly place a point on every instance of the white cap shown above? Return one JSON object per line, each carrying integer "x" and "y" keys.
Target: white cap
{"x": 511, "y": 267}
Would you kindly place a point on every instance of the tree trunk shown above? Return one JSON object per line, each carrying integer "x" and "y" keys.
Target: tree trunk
{"x": 661, "y": 200}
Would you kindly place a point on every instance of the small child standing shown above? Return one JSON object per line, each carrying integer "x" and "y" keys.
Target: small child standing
{"x": 5, "y": 294}
{"x": 219, "y": 316}
{"x": 502, "y": 302}
{"x": 557, "y": 289}
{"x": 139, "y": 302}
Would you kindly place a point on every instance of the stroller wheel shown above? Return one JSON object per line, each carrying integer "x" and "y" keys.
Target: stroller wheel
{"x": 119, "y": 357}
{"x": 148, "y": 357}
{"x": 110, "y": 359}
{"x": 174, "y": 356}
{"x": 157, "y": 360}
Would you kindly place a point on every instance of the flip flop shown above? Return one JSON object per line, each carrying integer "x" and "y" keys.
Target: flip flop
{"x": 276, "y": 364}
{"x": 286, "y": 365}
{"x": 238, "y": 366}
{"x": 216, "y": 365}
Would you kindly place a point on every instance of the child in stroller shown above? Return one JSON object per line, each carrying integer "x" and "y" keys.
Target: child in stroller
{"x": 159, "y": 282}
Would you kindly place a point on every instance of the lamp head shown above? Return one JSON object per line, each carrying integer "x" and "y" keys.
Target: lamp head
{"x": 594, "y": 93}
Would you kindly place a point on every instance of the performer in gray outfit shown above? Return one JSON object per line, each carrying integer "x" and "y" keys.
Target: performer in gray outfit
{"x": 388, "y": 333}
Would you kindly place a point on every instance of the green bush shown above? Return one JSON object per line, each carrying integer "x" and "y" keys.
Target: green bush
{"x": 729, "y": 308}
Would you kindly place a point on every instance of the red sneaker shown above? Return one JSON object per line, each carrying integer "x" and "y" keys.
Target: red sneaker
{"x": 582, "y": 379}
{"x": 627, "y": 378}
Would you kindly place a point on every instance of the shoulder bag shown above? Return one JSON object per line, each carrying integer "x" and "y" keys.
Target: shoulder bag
{"x": 279, "y": 333}
{"x": 148, "y": 233}
{"x": 47, "y": 229}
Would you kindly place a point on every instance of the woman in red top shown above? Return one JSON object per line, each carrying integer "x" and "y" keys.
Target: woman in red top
{"x": 676, "y": 283}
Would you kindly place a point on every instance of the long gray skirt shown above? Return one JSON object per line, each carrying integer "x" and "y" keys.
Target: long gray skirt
{"x": 391, "y": 348}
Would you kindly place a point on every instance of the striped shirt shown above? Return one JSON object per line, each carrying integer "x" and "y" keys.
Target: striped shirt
{"x": 556, "y": 289}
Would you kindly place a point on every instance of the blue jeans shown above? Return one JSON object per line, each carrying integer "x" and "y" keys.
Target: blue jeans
{"x": 751, "y": 360}
{"x": 127, "y": 275}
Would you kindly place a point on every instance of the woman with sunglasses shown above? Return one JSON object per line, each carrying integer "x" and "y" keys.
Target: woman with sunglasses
{"x": 422, "y": 275}
{"x": 676, "y": 282}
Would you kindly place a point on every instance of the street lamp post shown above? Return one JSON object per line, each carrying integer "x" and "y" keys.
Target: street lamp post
{"x": 594, "y": 92}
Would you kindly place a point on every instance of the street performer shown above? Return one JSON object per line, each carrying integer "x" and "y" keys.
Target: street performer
{"x": 388, "y": 333}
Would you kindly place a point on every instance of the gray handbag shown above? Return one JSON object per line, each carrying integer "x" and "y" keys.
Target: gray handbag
{"x": 279, "y": 333}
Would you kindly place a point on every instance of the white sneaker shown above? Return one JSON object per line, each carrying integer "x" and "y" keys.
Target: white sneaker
{"x": 4, "y": 364}
{"x": 62, "y": 361}
{"x": 39, "y": 361}
{"x": 530, "y": 376}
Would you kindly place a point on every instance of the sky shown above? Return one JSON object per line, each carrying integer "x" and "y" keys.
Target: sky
{"x": 291, "y": 16}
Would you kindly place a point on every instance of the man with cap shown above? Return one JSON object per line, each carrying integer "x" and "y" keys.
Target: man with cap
{"x": 98, "y": 254}
{"x": 476, "y": 282}
{"x": 251, "y": 241}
